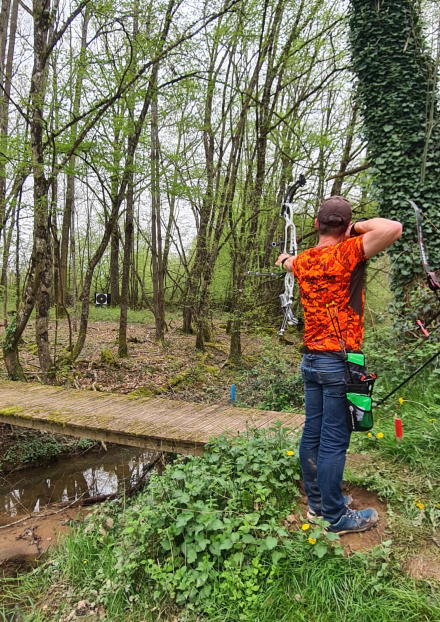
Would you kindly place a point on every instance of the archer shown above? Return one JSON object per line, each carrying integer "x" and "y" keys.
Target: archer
{"x": 332, "y": 274}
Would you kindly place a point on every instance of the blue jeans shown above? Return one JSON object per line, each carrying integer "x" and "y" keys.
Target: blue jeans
{"x": 325, "y": 438}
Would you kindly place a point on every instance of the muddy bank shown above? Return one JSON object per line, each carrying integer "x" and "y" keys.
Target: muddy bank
{"x": 23, "y": 546}
{"x": 38, "y": 506}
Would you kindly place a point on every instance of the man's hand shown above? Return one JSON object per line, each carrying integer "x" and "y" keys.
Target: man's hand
{"x": 287, "y": 265}
{"x": 348, "y": 230}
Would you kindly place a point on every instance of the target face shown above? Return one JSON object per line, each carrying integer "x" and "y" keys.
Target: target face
{"x": 101, "y": 299}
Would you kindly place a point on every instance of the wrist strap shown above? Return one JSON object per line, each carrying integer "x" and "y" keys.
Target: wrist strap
{"x": 283, "y": 260}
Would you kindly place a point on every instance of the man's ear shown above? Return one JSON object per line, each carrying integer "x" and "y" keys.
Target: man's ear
{"x": 317, "y": 223}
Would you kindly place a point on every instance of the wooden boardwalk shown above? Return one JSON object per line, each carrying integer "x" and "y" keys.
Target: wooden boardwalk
{"x": 153, "y": 423}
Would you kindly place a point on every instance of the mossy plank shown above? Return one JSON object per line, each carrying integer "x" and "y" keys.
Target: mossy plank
{"x": 150, "y": 422}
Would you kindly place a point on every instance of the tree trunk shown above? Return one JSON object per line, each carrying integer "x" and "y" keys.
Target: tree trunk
{"x": 156, "y": 229}
{"x": 6, "y": 70}
{"x": 114, "y": 267}
{"x": 73, "y": 256}
{"x": 123, "y": 349}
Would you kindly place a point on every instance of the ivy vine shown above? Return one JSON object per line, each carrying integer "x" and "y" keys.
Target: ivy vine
{"x": 398, "y": 95}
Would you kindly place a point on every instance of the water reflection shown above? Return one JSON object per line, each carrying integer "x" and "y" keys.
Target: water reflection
{"x": 68, "y": 479}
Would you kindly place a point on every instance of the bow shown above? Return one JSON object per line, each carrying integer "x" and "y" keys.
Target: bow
{"x": 431, "y": 278}
{"x": 291, "y": 248}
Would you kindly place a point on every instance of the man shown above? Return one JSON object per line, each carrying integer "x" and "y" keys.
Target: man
{"x": 332, "y": 274}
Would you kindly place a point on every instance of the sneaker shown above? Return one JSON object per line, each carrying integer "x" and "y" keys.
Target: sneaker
{"x": 312, "y": 515}
{"x": 353, "y": 521}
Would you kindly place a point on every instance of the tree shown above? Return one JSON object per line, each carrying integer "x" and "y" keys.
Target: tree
{"x": 397, "y": 86}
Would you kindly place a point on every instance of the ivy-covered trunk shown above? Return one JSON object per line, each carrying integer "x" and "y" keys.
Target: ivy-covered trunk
{"x": 397, "y": 82}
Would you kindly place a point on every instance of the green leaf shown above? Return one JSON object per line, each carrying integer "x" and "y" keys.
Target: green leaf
{"x": 215, "y": 549}
{"x": 216, "y": 525}
{"x": 270, "y": 542}
{"x": 226, "y": 545}
{"x": 276, "y": 556}
{"x": 248, "y": 538}
{"x": 183, "y": 497}
{"x": 320, "y": 550}
{"x": 178, "y": 475}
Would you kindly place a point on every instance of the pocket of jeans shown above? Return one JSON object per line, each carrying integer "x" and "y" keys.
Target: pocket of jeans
{"x": 332, "y": 379}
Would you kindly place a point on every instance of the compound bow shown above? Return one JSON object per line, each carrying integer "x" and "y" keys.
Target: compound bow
{"x": 289, "y": 246}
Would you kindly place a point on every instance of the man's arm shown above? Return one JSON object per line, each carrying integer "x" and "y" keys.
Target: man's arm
{"x": 380, "y": 233}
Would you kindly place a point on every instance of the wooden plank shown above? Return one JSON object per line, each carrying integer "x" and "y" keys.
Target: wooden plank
{"x": 153, "y": 423}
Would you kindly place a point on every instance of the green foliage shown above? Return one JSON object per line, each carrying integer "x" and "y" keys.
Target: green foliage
{"x": 205, "y": 533}
{"x": 396, "y": 89}
{"x": 32, "y": 447}
{"x": 9, "y": 333}
{"x": 272, "y": 384}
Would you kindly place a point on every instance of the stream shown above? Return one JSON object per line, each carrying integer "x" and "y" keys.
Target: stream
{"x": 71, "y": 478}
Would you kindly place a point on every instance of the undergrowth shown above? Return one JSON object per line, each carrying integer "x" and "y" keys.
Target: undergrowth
{"x": 206, "y": 541}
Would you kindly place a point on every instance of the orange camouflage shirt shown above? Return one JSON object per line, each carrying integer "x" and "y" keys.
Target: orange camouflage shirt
{"x": 327, "y": 275}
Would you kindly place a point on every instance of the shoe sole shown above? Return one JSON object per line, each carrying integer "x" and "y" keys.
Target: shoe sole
{"x": 312, "y": 517}
{"x": 359, "y": 530}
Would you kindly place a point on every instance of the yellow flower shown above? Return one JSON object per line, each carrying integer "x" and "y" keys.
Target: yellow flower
{"x": 290, "y": 452}
{"x": 432, "y": 420}
{"x": 305, "y": 526}
{"x": 312, "y": 540}
{"x": 369, "y": 435}
{"x": 420, "y": 506}
{"x": 380, "y": 435}
{"x": 85, "y": 561}
{"x": 438, "y": 506}
{"x": 400, "y": 400}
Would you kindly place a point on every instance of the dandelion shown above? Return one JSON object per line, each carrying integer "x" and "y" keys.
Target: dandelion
{"x": 432, "y": 420}
{"x": 438, "y": 506}
{"x": 305, "y": 526}
{"x": 400, "y": 400}
{"x": 420, "y": 506}
{"x": 290, "y": 452}
{"x": 380, "y": 435}
{"x": 369, "y": 435}
{"x": 85, "y": 561}
{"x": 312, "y": 540}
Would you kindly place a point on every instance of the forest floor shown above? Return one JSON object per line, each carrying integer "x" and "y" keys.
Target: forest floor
{"x": 171, "y": 368}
